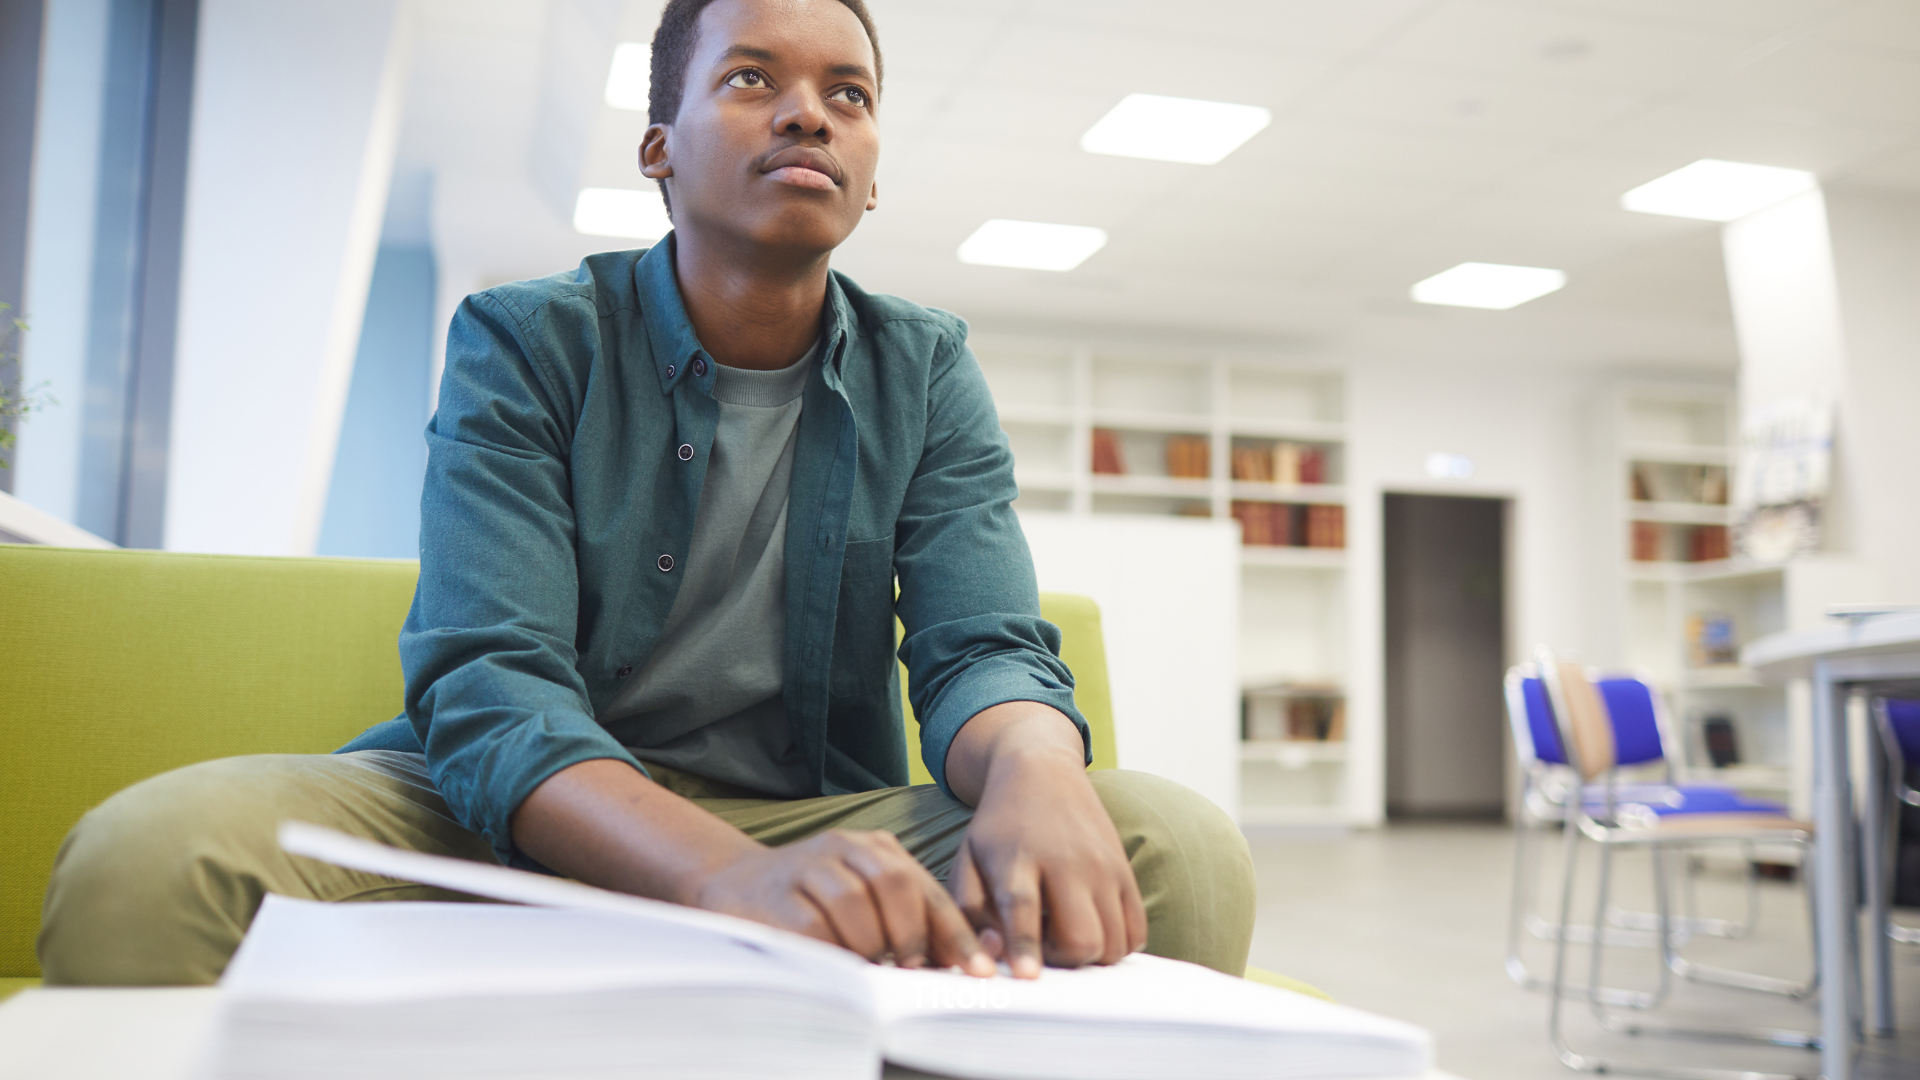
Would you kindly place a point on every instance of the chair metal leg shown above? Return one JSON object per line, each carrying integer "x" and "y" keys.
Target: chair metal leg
{"x": 1797, "y": 990}
{"x": 1693, "y": 924}
{"x": 1526, "y": 877}
{"x": 1877, "y": 838}
{"x": 1584, "y": 1063}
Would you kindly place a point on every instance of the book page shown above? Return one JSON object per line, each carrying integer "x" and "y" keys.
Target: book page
{"x": 521, "y": 887}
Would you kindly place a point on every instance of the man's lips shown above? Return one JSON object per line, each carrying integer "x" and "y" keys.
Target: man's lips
{"x": 801, "y": 176}
{"x": 803, "y": 166}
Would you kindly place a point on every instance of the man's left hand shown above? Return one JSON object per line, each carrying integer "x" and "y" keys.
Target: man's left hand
{"x": 1041, "y": 873}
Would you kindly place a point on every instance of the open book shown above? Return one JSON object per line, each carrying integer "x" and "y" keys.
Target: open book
{"x": 566, "y": 980}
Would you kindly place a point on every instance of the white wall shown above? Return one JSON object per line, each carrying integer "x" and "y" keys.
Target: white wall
{"x": 1526, "y": 431}
{"x": 296, "y": 113}
{"x": 1168, "y": 590}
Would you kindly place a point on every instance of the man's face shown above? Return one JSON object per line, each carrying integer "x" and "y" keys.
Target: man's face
{"x": 776, "y": 142}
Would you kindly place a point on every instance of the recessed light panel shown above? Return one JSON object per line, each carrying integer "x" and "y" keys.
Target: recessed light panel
{"x": 1174, "y": 129}
{"x": 623, "y": 212}
{"x": 628, "y": 79}
{"x": 1711, "y": 190}
{"x": 1031, "y": 245}
{"x": 1488, "y": 285}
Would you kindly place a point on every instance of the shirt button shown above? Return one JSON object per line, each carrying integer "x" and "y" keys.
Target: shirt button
{"x": 670, "y": 370}
{"x": 665, "y": 563}
{"x": 686, "y": 451}
{"x": 625, "y": 670}
{"x": 699, "y": 367}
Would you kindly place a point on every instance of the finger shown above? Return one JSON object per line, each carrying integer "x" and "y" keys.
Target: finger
{"x": 951, "y": 941}
{"x": 969, "y": 889}
{"x": 899, "y": 888}
{"x": 843, "y": 896}
{"x": 1016, "y": 899}
{"x": 803, "y": 916}
{"x": 969, "y": 893}
{"x": 1074, "y": 935}
{"x": 1113, "y": 925}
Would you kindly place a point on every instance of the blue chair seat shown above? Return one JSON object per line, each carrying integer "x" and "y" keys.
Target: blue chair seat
{"x": 1693, "y": 799}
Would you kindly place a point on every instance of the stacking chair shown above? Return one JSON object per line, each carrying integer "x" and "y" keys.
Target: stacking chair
{"x": 1642, "y": 733}
{"x": 1898, "y": 723}
{"x": 1611, "y": 822}
{"x": 1642, "y": 738}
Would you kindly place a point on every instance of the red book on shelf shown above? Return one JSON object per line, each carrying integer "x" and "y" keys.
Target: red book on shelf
{"x": 1106, "y": 453}
{"x": 1646, "y": 541}
{"x": 1286, "y": 523}
{"x": 1313, "y": 465}
{"x": 1708, "y": 542}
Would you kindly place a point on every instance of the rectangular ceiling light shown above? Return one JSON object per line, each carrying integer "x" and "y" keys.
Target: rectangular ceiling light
{"x": 1174, "y": 129}
{"x": 1031, "y": 245}
{"x": 1488, "y": 285}
{"x": 623, "y": 212}
{"x": 628, "y": 79}
{"x": 1718, "y": 190}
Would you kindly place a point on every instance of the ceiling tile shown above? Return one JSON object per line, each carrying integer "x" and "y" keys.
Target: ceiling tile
{"x": 1820, "y": 84}
{"x": 1574, "y": 48}
{"x": 1459, "y": 106}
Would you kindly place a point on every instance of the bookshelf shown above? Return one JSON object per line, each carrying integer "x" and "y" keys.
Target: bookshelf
{"x": 1689, "y": 602}
{"x": 1099, "y": 430}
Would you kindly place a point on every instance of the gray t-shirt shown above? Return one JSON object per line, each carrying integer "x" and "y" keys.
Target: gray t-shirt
{"x": 708, "y": 700}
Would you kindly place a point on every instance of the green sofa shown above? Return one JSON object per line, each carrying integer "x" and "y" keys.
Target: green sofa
{"x": 123, "y": 664}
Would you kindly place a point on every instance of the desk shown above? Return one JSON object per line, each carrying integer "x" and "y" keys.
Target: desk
{"x": 1839, "y": 659}
{"x": 154, "y": 1034}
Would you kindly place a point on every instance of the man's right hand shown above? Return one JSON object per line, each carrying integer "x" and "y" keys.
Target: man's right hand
{"x": 860, "y": 890}
{"x": 604, "y": 823}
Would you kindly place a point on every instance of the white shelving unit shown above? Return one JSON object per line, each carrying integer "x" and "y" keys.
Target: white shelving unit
{"x": 1052, "y": 396}
{"x": 1693, "y": 427}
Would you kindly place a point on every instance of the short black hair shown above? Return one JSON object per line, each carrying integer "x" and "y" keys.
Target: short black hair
{"x": 673, "y": 51}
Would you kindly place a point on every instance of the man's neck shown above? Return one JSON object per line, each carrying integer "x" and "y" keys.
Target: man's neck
{"x": 750, "y": 310}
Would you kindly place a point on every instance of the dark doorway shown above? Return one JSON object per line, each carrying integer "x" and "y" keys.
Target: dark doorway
{"x": 1445, "y": 656}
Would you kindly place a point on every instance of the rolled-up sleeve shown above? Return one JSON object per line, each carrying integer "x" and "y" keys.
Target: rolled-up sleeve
{"x": 492, "y": 687}
{"x": 968, "y": 599}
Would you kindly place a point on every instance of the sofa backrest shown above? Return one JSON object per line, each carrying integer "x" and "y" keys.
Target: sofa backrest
{"x": 119, "y": 665}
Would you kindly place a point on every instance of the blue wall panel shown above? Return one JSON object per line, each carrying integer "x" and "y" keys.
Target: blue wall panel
{"x": 373, "y": 503}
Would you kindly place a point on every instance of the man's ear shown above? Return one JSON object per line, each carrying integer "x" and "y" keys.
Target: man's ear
{"x": 653, "y": 153}
{"x": 873, "y": 197}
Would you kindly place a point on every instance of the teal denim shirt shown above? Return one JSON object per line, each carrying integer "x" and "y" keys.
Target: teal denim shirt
{"x": 564, "y": 469}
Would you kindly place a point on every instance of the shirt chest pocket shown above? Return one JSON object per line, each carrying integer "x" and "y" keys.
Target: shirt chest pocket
{"x": 863, "y": 625}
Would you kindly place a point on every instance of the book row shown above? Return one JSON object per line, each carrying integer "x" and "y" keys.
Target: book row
{"x": 1314, "y": 525}
{"x": 1191, "y": 457}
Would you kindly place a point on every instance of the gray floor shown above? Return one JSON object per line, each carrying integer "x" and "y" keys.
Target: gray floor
{"x": 1410, "y": 921}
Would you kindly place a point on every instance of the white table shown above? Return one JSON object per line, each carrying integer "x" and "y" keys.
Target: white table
{"x": 1857, "y": 654}
{"x": 153, "y": 1034}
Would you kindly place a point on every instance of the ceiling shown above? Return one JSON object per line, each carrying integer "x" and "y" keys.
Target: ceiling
{"x": 1408, "y": 136}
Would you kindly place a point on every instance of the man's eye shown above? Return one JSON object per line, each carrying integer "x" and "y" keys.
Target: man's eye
{"x": 748, "y": 80}
{"x": 852, "y": 95}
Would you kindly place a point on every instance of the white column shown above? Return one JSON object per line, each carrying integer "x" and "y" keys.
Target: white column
{"x": 296, "y": 114}
{"x": 1824, "y": 291}
{"x": 1876, "y": 249}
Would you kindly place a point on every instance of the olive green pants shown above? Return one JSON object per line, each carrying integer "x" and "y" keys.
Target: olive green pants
{"x": 156, "y": 885}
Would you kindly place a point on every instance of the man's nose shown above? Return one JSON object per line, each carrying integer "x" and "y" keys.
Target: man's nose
{"x": 803, "y": 112}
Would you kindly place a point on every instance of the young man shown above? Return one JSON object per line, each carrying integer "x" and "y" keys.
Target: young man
{"x": 652, "y": 646}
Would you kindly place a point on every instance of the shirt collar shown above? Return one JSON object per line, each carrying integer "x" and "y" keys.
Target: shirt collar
{"x": 677, "y": 353}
